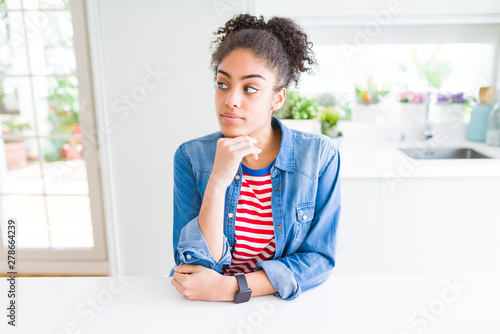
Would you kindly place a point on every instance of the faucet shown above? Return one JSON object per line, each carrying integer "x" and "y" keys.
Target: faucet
{"x": 427, "y": 124}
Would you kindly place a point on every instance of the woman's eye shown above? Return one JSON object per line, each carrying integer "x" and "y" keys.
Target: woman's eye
{"x": 252, "y": 92}
{"x": 219, "y": 84}
{"x": 247, "y": 89}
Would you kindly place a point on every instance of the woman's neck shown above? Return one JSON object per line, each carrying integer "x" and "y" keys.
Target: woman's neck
{"x": 270, "y": 144}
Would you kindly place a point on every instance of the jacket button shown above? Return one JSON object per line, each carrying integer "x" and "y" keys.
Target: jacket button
{"x": 304, "y": 217}
{"x": 237, "y": 177}
{"x": 188, "y": 256}
{"x": 274, "y": 169}
{"x": 230, "y": 215}
{"x": 277, "y": 189}
{"x": 280, "y": 226}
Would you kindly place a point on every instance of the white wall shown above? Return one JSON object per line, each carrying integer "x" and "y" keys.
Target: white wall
{"x": 319, "y": 8}
{"x": 174, "y": 36}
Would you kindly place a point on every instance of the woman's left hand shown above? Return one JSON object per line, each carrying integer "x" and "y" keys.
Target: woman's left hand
{"x": 201, "y": 283}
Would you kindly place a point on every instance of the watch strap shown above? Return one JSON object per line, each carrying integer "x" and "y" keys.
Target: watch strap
{"x": 242, "y": 281}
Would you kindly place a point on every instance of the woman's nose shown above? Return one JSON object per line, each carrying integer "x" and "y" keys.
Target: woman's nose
{"x": 233, "y": 99}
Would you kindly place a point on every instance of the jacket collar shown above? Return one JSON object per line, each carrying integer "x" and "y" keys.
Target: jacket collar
{"x": 286, "y": 155}
{"x": 285, "y": 159}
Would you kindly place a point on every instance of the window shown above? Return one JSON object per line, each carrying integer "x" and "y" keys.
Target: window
{"x": 49, "y": 169}
{"x": 451, "y": 58}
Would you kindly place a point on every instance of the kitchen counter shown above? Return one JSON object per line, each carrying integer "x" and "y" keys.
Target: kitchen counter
{"x": 343, "y": 304}
{"x": 385, "y": 160}
{"x": 407, "y": 216}
{"x": 372, "y": 151}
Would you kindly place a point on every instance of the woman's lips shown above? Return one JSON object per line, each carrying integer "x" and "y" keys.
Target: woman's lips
{"x": 231, "y": 119}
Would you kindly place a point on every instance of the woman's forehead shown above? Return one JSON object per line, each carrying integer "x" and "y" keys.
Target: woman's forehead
{"x": 241, "y": 64}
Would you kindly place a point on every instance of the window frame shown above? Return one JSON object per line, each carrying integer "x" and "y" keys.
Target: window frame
{"x": 93, "y": 261}
{"x": 411, "y": 30}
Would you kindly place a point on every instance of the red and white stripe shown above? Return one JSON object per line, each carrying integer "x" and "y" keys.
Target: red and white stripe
{"x": 254, "y": 229}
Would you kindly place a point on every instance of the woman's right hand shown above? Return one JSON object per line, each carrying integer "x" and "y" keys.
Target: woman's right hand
{"x": 230, "y": 152}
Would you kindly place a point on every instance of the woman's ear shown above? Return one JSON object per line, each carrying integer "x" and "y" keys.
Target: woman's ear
{"x": 279, "y": 99}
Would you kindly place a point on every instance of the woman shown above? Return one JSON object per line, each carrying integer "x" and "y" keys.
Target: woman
{"x": 256, "y": 200}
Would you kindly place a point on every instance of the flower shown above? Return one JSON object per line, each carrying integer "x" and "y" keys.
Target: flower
{"x": 451, "y": 98}
{"x": 370, "y": 94}
{"x": 443, "y": 98}
{"x": 411, "y": 97}
{"x": 458, "y": 98}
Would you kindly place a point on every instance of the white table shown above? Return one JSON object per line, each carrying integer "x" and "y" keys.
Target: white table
{"x": 344, "y": 304}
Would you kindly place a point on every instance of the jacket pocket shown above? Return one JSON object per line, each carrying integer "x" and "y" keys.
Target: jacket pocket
{"x": 304, "y": 217}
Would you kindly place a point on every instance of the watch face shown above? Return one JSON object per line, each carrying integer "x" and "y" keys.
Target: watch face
{"x": 242, "y": 296}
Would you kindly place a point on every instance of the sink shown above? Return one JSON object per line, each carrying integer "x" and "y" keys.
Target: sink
{"x": 443, "y": 153}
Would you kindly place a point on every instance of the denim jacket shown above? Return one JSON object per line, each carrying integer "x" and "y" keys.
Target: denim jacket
{"x": 305, "y": 207}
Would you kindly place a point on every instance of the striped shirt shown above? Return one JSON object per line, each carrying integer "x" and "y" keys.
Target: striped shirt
{"x": 254, "y": 229}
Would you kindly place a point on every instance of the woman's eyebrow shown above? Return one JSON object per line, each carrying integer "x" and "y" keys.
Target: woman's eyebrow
{"x": 244, "y": 77}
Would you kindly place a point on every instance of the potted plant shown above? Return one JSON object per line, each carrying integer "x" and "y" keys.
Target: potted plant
{"x": 8, "y": 97}
{"x": 329, "y": 119}
{"x": 64, "y": 119}
{"x": 16, "y": 150}
{"x": 451, "y": 107}
{"x": 366, "y": 107}
{"x": 300, "y": 113}
{"x": 73, "y": 149}
{"x": 411, "y": 106}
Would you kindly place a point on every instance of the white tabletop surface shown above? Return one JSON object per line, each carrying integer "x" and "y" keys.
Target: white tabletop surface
{"x": 344, "y": 304}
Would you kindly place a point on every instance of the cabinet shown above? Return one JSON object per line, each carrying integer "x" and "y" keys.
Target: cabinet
{"x": 439, "y": 226}
{"x": 422, "y": 226}
{"x": 357, "y": 230}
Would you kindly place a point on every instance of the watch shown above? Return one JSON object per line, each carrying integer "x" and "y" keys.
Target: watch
{"x": 244, "y": 293}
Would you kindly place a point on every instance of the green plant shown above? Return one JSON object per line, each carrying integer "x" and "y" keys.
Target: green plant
{"x": 299, "y": 107}
{"x": 63, "y": 113}
{"x": 369, "y": 94}
{"x": 2, "y": 94}
{"x": 433, "y": 70}
{"x": 329, "y": 119}
{"x": 15, "y": 125}
{"x": 326, "y": 99}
